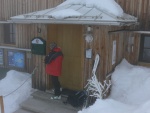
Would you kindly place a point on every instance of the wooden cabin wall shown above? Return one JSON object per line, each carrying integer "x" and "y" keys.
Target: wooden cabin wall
{"x": 10, "y": 8}
{"x": 102, "y": 44}
{"x": 141, "y": 10}
{"x": 138, "y": 8}
{"x": 131, "y": 50}
{"x": 25, "y": 32}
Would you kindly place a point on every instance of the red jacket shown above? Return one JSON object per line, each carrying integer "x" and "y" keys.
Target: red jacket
{"x": 54, "y": 68}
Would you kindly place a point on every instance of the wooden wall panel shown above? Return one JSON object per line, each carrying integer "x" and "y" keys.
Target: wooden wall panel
{"x": 30, "y": 31}
{"x": 16, "y": 7}
{"x": 24, "y": 34}
{"x": 1, "y": 104}
{"x": 103, "y": 44}
{"x": 53, "y": 3}
{"x": 69, "y": 38}
{"x": 138, "y": 8}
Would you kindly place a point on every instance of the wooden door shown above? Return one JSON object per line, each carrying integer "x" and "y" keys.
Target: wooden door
{"x": 69, "y": 38}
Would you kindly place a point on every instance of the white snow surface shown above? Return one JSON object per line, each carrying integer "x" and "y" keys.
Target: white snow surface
{"x": 130, "y": 92}
{"x": 109, "y": 6}
{"x": 15, "y": 88}
{"x": 65, "y": 13}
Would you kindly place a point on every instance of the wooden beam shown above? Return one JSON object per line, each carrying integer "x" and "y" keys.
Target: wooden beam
{"x": 134, "y": 31}
{"x": 15, "y": 48}
{"x": 1, "y": 104}
{"x": 142, "y": 32}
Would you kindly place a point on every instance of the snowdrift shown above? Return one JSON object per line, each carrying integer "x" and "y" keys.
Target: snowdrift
{"x": 130, "y": 92}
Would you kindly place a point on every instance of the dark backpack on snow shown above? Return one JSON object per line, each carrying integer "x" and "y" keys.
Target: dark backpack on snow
{"x": 77, "y": 99}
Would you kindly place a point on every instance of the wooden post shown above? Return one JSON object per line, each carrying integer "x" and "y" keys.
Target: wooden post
{"x": 1, "y": 104}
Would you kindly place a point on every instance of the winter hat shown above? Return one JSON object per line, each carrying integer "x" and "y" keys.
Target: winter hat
{"x": 53, "y": 45}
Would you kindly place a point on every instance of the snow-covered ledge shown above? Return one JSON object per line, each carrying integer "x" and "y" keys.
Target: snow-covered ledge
{"x": 15, "y": 48}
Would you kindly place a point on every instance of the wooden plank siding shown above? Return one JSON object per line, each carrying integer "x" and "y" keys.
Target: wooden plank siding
{"x": 102, "y": 42}
{"x": 25, "y": 32}
{"x": 139, "y": 9}
{"x": 1, "y": 104}
{"x": 16, "y": 7}
{"x": 70, "y": 39}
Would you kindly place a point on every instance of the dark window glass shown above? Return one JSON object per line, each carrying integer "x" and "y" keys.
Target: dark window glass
{"x": 145, "y": 49}
{"x": 1, "y": 57}
{"x": 9, "y": 34}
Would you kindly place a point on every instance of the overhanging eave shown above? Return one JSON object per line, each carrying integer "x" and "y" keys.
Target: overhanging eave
{"x": 82, "y": 22}
{"x": 4, "y": 22}
{"x": 75, "y": 14}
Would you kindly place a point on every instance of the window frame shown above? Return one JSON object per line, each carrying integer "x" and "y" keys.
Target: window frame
{"x": 2, "y": 57}
{"x": 141, "y": 52}
{"x": 9, "y": 37}
{"x": 16, "y": 67}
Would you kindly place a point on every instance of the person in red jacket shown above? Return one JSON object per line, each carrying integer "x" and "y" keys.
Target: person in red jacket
{"x": 54, "y": 68}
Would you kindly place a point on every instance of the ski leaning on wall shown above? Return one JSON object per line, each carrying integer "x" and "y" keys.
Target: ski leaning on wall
{"x": 95, "y": 88}
{"x": 97, "y": 58}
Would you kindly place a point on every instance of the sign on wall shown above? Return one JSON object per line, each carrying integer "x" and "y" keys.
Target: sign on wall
{"x": 16, "y": 59}
{"x": 1, "y": 57}
{"x": 38, "y": 46}
{"x": 89, "y": 53}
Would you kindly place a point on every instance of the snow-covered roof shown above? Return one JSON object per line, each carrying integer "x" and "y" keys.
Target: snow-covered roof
{"x": 77, "y": 13}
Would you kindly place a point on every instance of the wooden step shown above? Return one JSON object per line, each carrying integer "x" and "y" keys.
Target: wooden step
{"x": 40, "y": 102}
{"x": 22, "y": 111}
{"x": 51, "y": 106}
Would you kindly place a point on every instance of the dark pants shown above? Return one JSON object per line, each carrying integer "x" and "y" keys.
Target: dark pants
{"x": 56, "y": 85}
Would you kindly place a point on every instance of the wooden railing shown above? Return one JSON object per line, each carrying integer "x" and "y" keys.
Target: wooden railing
{"x": 1, "y": 105}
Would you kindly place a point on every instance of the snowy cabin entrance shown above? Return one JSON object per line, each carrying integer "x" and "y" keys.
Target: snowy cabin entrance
{"x": 70, "y": 39}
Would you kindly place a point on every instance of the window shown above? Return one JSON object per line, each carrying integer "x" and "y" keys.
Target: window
{"x": 16, "y": 59}
{"x": 9, "y": 34}
{"x": 145, "y": 48}
{"x": 1, "y": 57}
